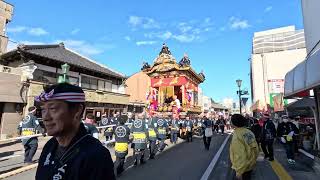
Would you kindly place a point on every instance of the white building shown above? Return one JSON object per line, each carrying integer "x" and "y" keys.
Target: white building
{"x": 306, "y": 75}
{"x": 274, "y": 53}
{"x": 207, "y": 103}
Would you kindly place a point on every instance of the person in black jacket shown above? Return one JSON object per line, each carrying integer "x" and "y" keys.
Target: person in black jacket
{"x": 256, "y": 129}
{"x": 72, "y": 154}
{"x": 286, "y": 131}
{"x": 28, "y": 126}
{"x": 267, "y": 138}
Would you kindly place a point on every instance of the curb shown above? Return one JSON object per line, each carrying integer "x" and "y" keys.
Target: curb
{"x": 309, "y": 155}
{"x": 17, "y": 171}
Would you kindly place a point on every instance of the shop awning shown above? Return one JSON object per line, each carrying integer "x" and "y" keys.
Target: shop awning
{"x": 303, "y": 77}
{"x": 302, "y": 103}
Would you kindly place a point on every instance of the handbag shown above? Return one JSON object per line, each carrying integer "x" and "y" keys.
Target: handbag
{"x": 208, "y": 132}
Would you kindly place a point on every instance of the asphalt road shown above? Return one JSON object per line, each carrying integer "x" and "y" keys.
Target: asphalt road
{"x": 187, "y": 161}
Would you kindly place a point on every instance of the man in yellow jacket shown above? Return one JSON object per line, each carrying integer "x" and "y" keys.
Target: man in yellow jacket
{"x": 243, "y": 148}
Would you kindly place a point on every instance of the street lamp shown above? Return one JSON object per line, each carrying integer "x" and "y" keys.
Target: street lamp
{"x": 64, "y": 77}
{"x": 239, "y": 82}
{"x": 240, "y": 93}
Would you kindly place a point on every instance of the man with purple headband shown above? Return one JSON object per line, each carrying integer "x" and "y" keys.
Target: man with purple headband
{"x": 72, "y": 153}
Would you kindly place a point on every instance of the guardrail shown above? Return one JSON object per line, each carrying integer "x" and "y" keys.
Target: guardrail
{"x": 20, "y": 137}
{"x": 38, "y": 135}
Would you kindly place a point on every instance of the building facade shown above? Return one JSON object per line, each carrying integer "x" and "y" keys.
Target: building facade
{"x": 6, "y": 12}
{"x": 137, "y": 87}
{"x": 103, "y": 87}
{"x": 274, "y": 53}
{"x": 207, "y": 104}
{"x": 306, "y": 75}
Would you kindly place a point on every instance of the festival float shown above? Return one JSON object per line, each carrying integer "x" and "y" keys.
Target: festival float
{"x": 174, "y": 86}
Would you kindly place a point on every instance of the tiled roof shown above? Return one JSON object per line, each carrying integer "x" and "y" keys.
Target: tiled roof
{"x": 59, "y": 53}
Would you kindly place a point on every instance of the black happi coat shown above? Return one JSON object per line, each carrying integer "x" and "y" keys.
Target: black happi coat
{"x": 84, "y": 159}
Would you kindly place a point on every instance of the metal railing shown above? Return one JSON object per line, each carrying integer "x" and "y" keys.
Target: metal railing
{"x": 39, "y": 135}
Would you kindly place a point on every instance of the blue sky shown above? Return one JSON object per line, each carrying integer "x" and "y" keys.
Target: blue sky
{"x": 215, "y": 34}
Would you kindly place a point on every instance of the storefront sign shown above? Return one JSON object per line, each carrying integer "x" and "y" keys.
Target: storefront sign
{"x": 276, "y": 85}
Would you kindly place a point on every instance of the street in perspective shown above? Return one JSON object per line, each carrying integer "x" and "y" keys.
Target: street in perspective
{"x": 168, "y": 90}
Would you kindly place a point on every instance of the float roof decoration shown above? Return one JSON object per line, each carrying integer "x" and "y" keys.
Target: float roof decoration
{"x": 165, "y": 62}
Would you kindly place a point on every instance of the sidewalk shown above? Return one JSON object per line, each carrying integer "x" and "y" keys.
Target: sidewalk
{"x": 305, "y": 167}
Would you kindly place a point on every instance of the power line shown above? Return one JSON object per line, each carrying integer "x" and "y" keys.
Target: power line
{"x": 10, "y": 40}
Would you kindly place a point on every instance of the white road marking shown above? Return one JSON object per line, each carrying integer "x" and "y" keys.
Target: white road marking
{"x": 208, "y": 171}
{"x": 306, "y": 153}
{"x": 9, "y": 157}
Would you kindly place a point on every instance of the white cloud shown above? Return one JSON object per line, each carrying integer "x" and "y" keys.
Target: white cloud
{"x": 34, "y": 31}
{"x": 16, "y": 29}
{"x": 31, "y": 42}
{"x": 237, "y": 23}
{"x": 166, "y": 35}
{"x": 135, "y": 20}
{"x": 185, "y": 38}
{"x": 37, "y": 31}
{"x": 12, "y": 45}
{"x": 75, "y": 31}
{"x": 184, "y": 27}
{"x": 141, "y": 43}
{"x": 82, "y": 47}
{"x": 161, "y": 35}
{"x": 267, "y": 9}
{"x": 127, "y": 38}
{"x": 143, "y": 22}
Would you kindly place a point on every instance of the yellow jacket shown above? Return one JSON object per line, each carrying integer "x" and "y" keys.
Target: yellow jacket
{"x": 243, "y": 150}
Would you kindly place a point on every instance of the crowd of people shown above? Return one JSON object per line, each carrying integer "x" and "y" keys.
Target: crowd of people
{"x": 75, "y": 145}
{"x": 75, "y": 139}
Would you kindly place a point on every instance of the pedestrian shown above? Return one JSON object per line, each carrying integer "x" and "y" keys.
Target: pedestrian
{"x": 152, "y": 136}
{"x": 90, "y": 125}
{"x": 130, "y": 120}
{"x": 139, "y": 132}
{"x": 189, "y": 129}
{"x": 228, "y": 124}
{"x": 267, "y": 139}
{"x": 29, "y": 125}
{"x": 221, "y": 123}
{"x": 216, "y": 124}
{"x": 207, "y": 127}
{"x": 256, "y": 129}
{"x": 71, "y": 154}
{"x": 162, "y": 129}
{"x": 108, "y": 132}
{"x": 122, "y": 133}
{"x": 286, "y": 131}
{"x": 175, "y": 128}
{"x": 243, "y": 148}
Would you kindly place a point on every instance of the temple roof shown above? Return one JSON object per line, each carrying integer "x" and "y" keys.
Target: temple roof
{"x": 165, "y": 62}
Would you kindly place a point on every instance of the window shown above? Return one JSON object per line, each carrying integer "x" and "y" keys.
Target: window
{"x": 89, "y": 83}
{"x": 93, "y": 83}
{"x": 114, "y": 88}
{"x": 85, "y": 82}
{"x": 73, "y": 80}
{"x": 45, "y": 76}
{"x": 108, "y": 86}
{"x": 101, "y": 85}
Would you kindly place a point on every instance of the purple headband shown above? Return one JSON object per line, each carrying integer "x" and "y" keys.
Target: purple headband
{"x": 67, "y": 96}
